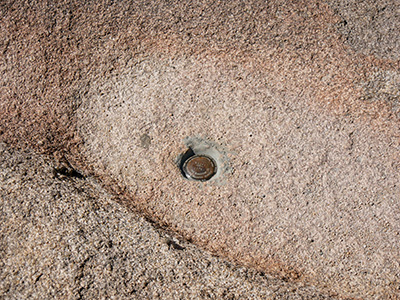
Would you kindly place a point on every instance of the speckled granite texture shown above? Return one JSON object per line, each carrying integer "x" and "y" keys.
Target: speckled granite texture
{"x": 64, "y": 237}
{"x": 300, "y": 97}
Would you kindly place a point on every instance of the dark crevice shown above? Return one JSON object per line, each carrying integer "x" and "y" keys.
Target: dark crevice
{"x": 65, "y": 170}
{"x": 189, "y": 153}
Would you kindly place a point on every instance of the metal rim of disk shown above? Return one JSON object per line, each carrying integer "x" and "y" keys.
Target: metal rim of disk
{"x": 199, "y": 167}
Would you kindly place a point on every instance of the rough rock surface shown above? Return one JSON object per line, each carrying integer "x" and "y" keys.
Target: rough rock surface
{"x": 63, "y": 237}
{"x": 370, "y": 27}
{"x": 300, "y": 97}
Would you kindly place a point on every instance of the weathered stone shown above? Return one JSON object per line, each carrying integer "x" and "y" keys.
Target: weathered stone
{"x": 306, "y": 115}
{"x": 64, "y": 237}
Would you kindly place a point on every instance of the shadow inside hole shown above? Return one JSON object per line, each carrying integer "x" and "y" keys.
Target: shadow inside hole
{"x": 188, "y": 154}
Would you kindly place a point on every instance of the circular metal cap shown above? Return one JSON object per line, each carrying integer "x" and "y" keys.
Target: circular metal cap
{"x": 199, "y": 167}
